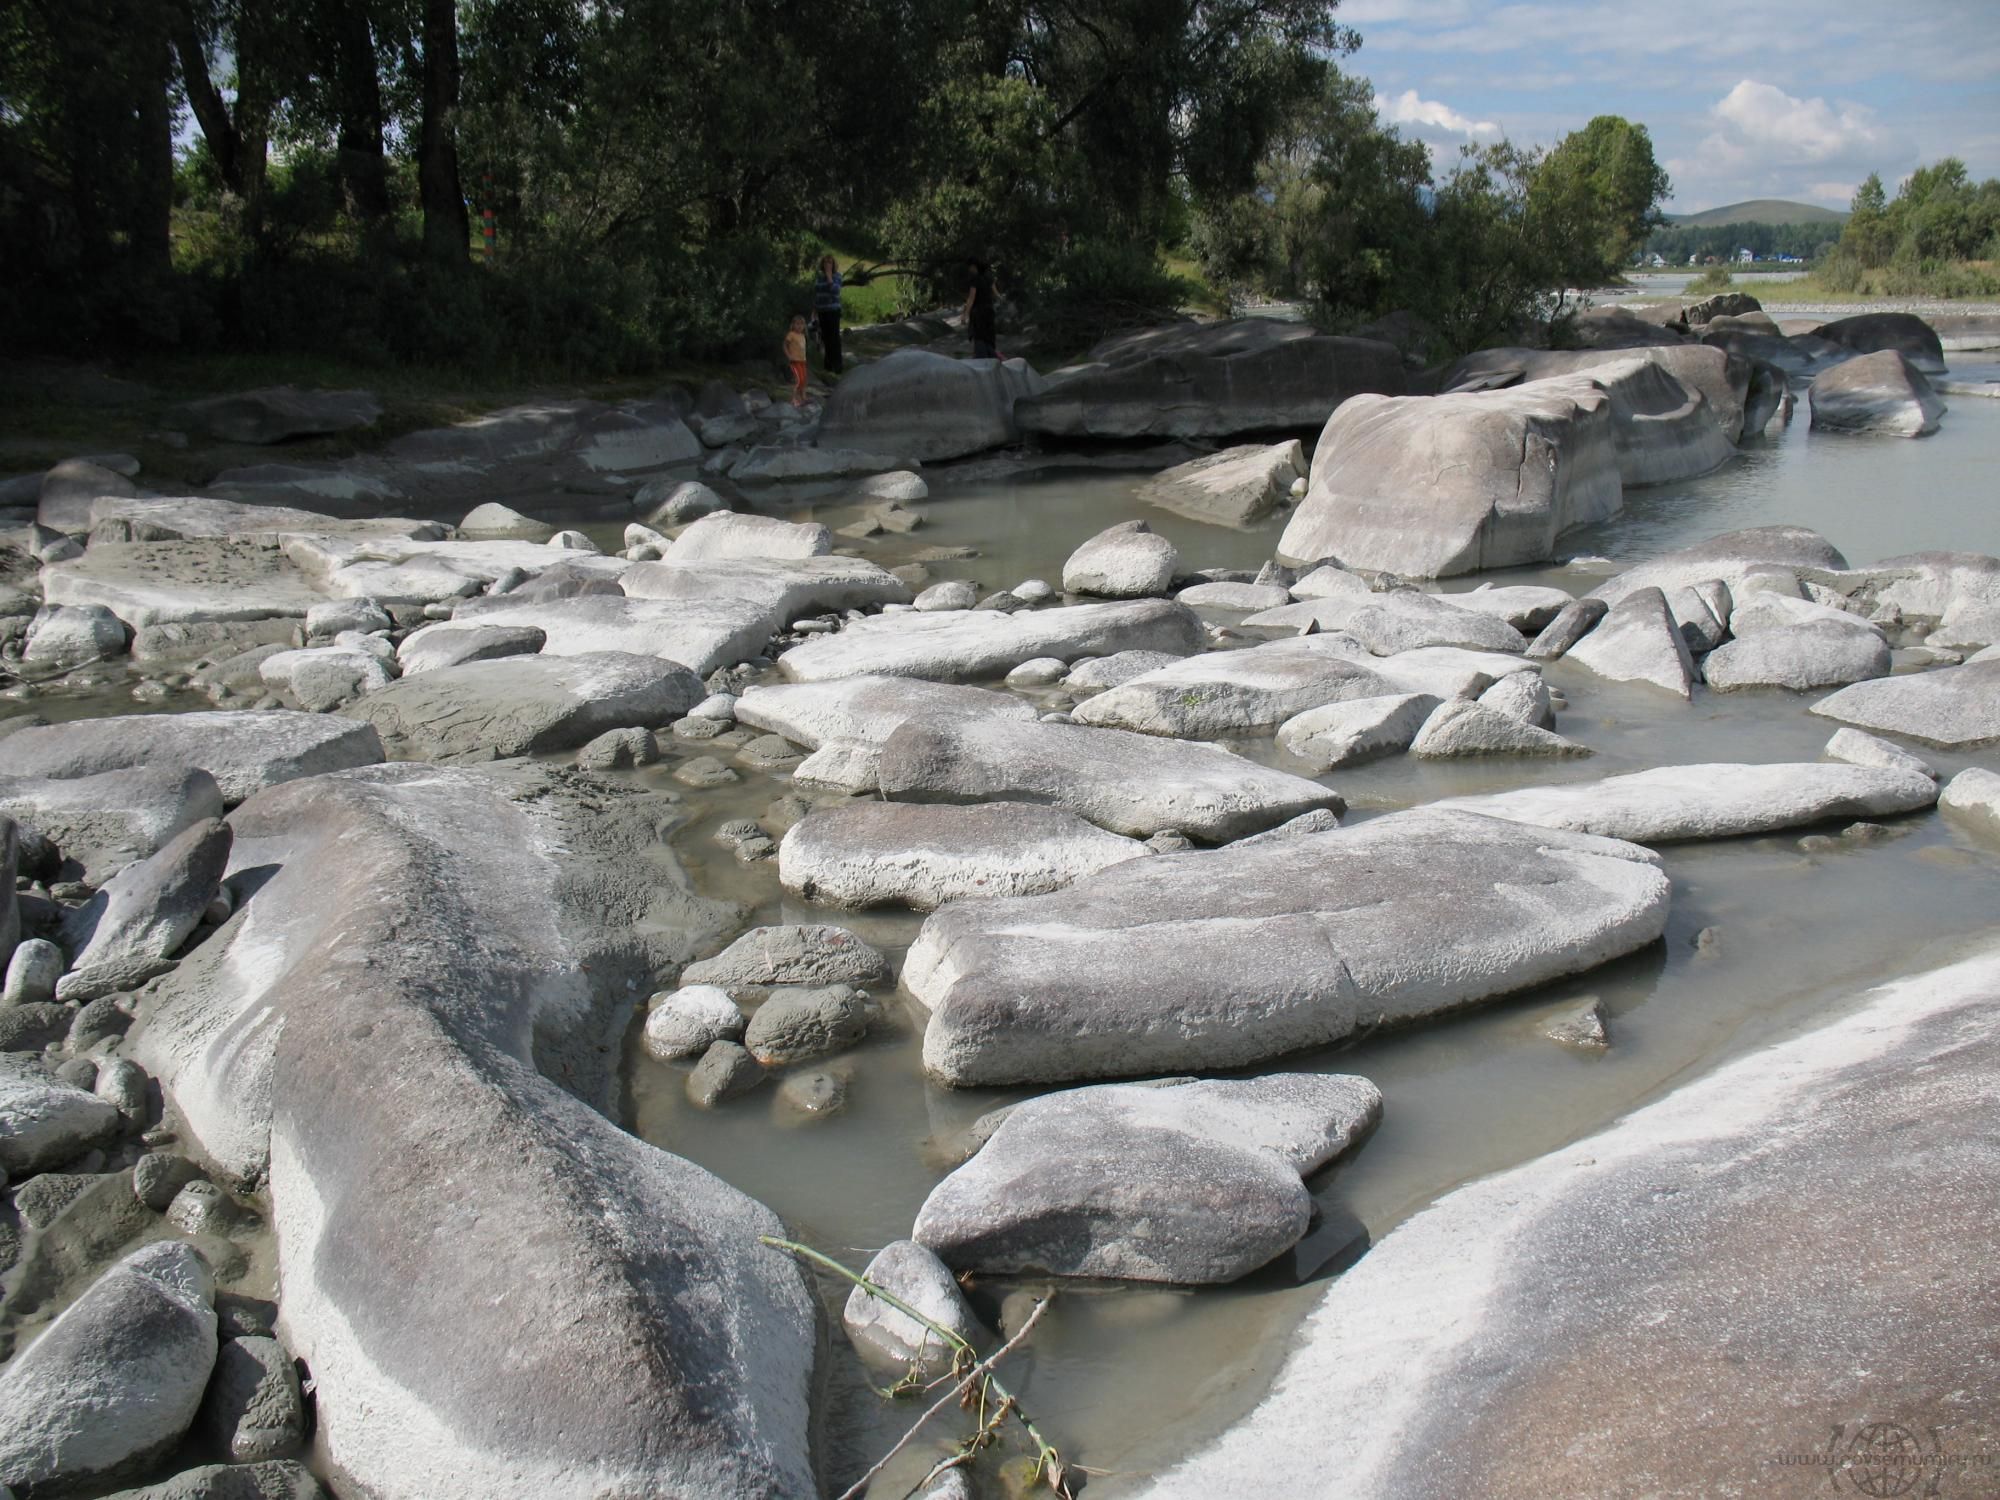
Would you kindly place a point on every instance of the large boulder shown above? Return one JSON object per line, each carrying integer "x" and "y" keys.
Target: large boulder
{"x": 1805, "y": 656}
{"x": 276, "y": 413}
{"x": 1126, "y": 561}
{"x": 462, "y": 1238}
{"x": 1232, "y": 488}
{"x": 1219, "y": 959}
{"x": 116, "y": 1380}
{"x": 244, "y": 751}
{"x": 1730, "y": 557}
{"x": 1876, "y": 393}
{"x": 1430, "y": 486}
{"x": 106, "y": 821}
{"x": 970, "y": 645}
{"x": 1134, "y": 784}
{"x": 923, "y": 855}
{"x": 1221, "y": 379}
{"x": 1673, "y": 803}
{"x": 928, "y": 406}
{"x": 526, "y": 705}
{"x": 45, "y": 1122}
{"x": 723, "y": 534}
{"x": 1721, "y": 378}
{"x": 1188, "y": 1181}
{"x": 1955, "y": 707}
{"x": 1222, "y": 694}
{"x": 1898, "y": 332}
{"x": 1639, "y": 640}
{"x": 63, "y": 636}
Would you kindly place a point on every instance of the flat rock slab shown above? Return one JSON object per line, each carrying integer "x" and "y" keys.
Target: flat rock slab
{"x": 177, "y": 518}
{"x": 526, "y": 705}
{"x": 699, "y": 634}
{"x": 787, "y": 587}
{"x": 244, "y": 751}
{"x": 1225, "y": 693}
{"x": 1671, "y": 803}
{"x": 1188, "y": 1181}
{"x": 1682, "y": 1219}
{"x": 865, "y": 711}
{"x": 106, "y": 821}
{"x": 1408, "y": 621}
{"x": 1954, "y": 707}
{"x": 1722, "y": 379}
{"x": 275, "y": 413}
{"x": 1814, "y": 655}
{"x": 1133, "y": 784}
{"x": 970, "y": 645}
{"x": 1730, "y": 557}
{"x": 923, "y": 855}
{"x": 166, "y": 583}
{"x": 1232, "y": 488}
{"x": 1218, "y": 959}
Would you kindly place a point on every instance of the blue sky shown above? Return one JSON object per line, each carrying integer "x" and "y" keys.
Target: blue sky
{"x": 1744, "y": 98}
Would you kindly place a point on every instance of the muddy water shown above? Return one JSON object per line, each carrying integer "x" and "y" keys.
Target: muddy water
{"x": 1767, "y": 934}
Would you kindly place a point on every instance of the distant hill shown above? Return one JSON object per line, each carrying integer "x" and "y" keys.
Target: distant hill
{"x": 1760, "y": 211}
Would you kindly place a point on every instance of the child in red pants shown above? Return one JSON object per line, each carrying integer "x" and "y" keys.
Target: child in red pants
{"x": 795, "y": 351}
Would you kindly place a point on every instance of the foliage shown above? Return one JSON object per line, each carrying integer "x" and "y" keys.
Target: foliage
{"x": 1604, "y": 179}
{"x": 1715, "y": 279}
{"x": 1925, "y": 241}
{"x": 1674, "y": 243}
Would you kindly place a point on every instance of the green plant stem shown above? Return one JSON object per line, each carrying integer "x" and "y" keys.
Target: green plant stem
{"x": 1048, "y": 1461}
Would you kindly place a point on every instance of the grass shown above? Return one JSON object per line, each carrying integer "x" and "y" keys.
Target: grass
{"x": 1203, "y": 295}
{"x": 1965, "y": 281}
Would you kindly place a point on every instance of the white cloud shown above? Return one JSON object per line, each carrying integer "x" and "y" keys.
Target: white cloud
{"x": 1763, "y": 142}
{"x": 1763, "y": 120}
{"x": 1408, "y": 108}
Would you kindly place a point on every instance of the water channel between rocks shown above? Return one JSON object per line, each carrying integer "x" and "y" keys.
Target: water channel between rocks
{"x": 1766, "y": 938}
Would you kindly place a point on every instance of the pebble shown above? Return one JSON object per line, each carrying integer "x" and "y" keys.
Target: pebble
{"x": 1169, "y": 841}
{"x": 699, "y": 727}
{"x": 813, "y": 1095}
{"x": 201, "y": 1208}
{"x": 1040, "y": 671}
{"x": 158, "y": 1178}
{"x": 1581, "y": 1027}
{"x": 726, "y": 1070}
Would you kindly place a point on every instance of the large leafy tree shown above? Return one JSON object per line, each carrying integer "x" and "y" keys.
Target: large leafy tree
{"x": 1603, "y": 180}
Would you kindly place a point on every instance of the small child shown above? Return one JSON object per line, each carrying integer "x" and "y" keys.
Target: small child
{"x": 795, "y": 351}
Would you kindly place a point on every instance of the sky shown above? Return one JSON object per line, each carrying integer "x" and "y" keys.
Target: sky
{"x": 1743, "y": 98}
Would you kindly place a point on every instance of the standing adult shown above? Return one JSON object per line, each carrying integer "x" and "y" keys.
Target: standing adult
{"x": 826, "y": 307}
{"x": 979, "y": 311}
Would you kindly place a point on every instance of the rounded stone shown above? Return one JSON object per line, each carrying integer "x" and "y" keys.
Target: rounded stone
{"x": 687, "y": 1022}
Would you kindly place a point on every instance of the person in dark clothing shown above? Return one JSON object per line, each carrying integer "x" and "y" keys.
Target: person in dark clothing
{"x": 979, "y": 312}
{"x": 826, "y": 307}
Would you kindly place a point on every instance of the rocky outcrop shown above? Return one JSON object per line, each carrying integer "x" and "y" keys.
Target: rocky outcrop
{"x": 1876, "y": 393}
{"x": 1722, "y": 379}
{"x": 1898, "y": 332}
{"x": 276, "y": 413}
{"x": 1638, "y": 640}
{"x": 1210, "y": 380}
{"x": 928, "y": 406}
{"x": 1218, "y": 959}
{"x": 462, "y": 1239}
{"x": 1433, "y": 486}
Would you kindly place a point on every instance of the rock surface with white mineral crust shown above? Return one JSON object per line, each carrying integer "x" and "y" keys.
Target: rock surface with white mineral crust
{"x": 1457, "y": 729}
{"x": 116, "y": 1380}
{"x": 1135, "y": 784}
{"x": 1409, "y": 621}
{"x": 971, "y": 645}
{"x": 107, "y": 821}
{"x": 1188, "y": 1181}
{"x": 1803, "y": 657}
{"x": 1218, "y": 959}
{"x": 1431, "y": 486}
{"x": 922, "y": 855}
{"x": 1345, "y": 734}
{"x": 1974, "y": 796}
{"x": 462, "y": 1237}
{"x": 245, "y": 752}
{"x": 1671, "y": 803}
{"x": 1682, "y": 1219}
{"x": 809, "y": 953}
{"x": 1955, "y": 707}
{"x": 867, "y": 710}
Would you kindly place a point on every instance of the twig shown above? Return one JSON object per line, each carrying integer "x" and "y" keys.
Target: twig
{"x": 1048, "y": 1462}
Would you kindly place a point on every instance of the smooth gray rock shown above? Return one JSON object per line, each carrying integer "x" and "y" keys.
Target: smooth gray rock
{"x": 187, "y": 582}
{"x": 667, "y": 502}
{"x": 526, "y": 705}
{"x": 953, "y": 593}
{"x": 911, "y": 1274}
{"x": 1362, "y": 729}
{"x": 1905, "y": 333}
{"x": 323, "y": 678}
{"x": 273, "y": 414}
{"x": 148, "y": 909}
{"x": 427, "y": 651}
{"x": 1407, "y": 621}
{"x": 1575, "y": 621}
{"x": 1457, "y": 729}
{"x": 1244, "y": 597}
{"x": 1730, "y": 558}
{"x": 1231, "y": 488}
{"x": 1228, "y": 693}
{"x": 45, "y": 1123}
{"x": 1126, "y": 561}
{"x": 923, "y": 855}
{"x": 244, "y": 751}
{"x": 867, "y": 710}
{"x": 928, "y": 406}
{"x": 184, "y": 641}
{"x": 32, "y": 973}
{"x": 253, "y": 1410}
{"x": 1638, "y": 640}
{"x": 1974, "y": 796}
{"x": 812, "y": 954}
{"x": 1723, "y": 379}
{"x": 1672, "y": 803}
{"x": 1432, "y": 486}
{"x": 1953, "y": 707}
{"x": 1523, "y": 696}
{"x": 687, "y": 1022}
{"x": 950, "y": 646}
{"x": 33, "y": 1027}
{"x": 493, "y": 521}
{"x": 1218, "y": 959}
{"x": 63, "y": 636}
{"x": 798, "y": 1025}
{"x": 1857, "y": 748}
{"x": 115, "y": 1381}
{"x": 619, "y": 750}
{"x": 1187, "y": 1181}
{"x": 1134, "y": 784}
{"x": 68, "y": 490}
{"x": 494, "y": 919}
{"x": 281, "y": 1479}
{"x": 325, "y": 621}
{"x": 725, "y": 1071}
{"x": 1527, "y": 608}
{"x": 1240, "y": 375}
{"x": 1958, "y": 593}
{"x": 157, "y": 1179}
{"x": 1819, "y": 654}
{"x": 756, "y": 538}
{"x": 1097, "y": 673}
{"x": 1880, "y": 392}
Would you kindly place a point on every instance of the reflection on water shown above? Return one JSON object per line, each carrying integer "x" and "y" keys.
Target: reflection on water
{"x": 1765, "y": 936}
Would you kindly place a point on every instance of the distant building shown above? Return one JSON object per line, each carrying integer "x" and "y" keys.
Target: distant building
{"x": 1744, "y": 257}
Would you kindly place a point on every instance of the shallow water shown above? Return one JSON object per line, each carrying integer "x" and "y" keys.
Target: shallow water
{"x": 1124, "y": 1379}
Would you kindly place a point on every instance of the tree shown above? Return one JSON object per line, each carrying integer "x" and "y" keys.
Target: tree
{"x": 1603, "y": 180}
{"x": 447, "y": 228}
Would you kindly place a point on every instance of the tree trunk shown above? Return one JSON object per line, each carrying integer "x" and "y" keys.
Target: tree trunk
{"x": 150, "y": 225}
{"x": 206, "y": 100}
{"x": 447, "y": 229}
{"x": 364, "y": 170}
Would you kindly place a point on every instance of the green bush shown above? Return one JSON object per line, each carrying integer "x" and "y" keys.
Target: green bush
{"x": 1095, "y": 288}
{"x": 1714, "y": 279}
